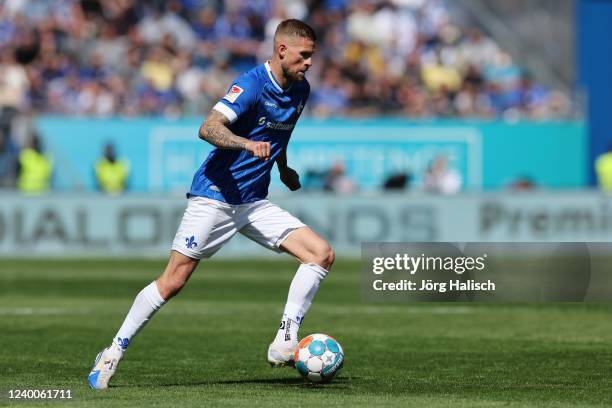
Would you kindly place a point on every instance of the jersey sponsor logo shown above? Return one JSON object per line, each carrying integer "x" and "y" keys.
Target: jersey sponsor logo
{"x": 280, "y": 126}
{"x": 275, "y": 125}
{"x": 233, "y": 94}
{"x": 270, "y": 104}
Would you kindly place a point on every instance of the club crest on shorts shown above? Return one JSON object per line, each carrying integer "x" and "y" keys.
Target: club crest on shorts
{"x": 190, "y": 242}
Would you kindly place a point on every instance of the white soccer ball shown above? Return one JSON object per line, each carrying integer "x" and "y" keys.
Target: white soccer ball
{"x": 319, "y": 358}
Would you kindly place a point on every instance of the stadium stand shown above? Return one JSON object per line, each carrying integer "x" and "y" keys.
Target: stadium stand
{"x": 176, "y": 58}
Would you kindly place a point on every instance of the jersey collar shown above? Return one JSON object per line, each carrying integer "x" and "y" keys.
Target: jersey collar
{"x": 276, "y": 85}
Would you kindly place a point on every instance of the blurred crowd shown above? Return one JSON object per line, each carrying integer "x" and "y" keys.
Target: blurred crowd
{"x": 177, "y": 58}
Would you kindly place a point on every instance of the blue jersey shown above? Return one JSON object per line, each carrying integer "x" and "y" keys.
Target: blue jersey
{"x": 259, "y": 110}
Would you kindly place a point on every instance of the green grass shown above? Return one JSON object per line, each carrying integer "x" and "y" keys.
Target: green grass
{"x": 207, "y": 347}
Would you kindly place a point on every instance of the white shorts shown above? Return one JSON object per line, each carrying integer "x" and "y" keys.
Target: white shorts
{"x": 208, "y": 224}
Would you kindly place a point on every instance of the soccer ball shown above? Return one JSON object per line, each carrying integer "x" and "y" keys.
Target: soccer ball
{"x": 319, "y": 358}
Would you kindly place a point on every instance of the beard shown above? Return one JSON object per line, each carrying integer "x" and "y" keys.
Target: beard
{"x": 294, "y": 76}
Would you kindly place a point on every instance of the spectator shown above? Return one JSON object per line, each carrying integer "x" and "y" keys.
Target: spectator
{"x": 111, "y": 173}
{"x": 14, "y": 85}
{"x": 330, "y": 97}
{"x": 35, "y": 169}
{"x": 338, "y": 181}
{"x": 112, "y": 46}
{"x": 313, "y": 179}
{"x": 397, "y": 182}
{"x": 603, "y": 169}
{"x": 478, "y": 49}
{"x": 523, "y": 183}
{"x": 161, "y": 21}
{"x": 441, "y": 179}
{"x": 157, "y": 71}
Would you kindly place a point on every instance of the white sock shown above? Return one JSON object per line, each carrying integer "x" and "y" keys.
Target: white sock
{"x": 147, "y": 302}
{"x": 115, "y": 351}
{"x": 303, "y": 289}
{"x": 287, "y": 334}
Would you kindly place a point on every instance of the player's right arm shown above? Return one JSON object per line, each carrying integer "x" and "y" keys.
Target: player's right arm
{"x": 215, "y": 131}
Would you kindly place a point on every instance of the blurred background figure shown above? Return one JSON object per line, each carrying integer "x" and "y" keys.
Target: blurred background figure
{"x": 111, "y": 173}
{"x": 603, "y": 169}
{"x": 9, "y": 161}
{"x": 35, "y": 168}
{"x": 338, "y": 181}
{"x": 523, "y": 183}
{"x": 398, "y": 181}
{"x": 313, "y": 179}
{"x": 14, "y": 87}
{"x": 441, "y": 178}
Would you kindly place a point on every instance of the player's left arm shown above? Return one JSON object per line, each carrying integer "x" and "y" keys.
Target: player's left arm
{"x": 288, "y": 176}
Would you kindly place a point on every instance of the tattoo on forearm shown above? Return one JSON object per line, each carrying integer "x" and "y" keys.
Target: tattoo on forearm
{"x": 215, "y": 132}
{"x": 221, "y": 136}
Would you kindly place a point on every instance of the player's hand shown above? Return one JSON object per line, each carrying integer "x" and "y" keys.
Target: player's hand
{"x": 259, "y": 149}
{"x": 290, "y": 178}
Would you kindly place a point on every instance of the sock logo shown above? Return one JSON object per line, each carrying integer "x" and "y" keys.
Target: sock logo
{"x": 288, "y": 330}
{"x": 123, "y": 343}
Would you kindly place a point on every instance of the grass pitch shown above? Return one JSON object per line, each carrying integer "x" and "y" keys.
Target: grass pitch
{"x": 207, "y": 347}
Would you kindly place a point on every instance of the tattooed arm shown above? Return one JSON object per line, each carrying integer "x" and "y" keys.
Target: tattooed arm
{"x": 215, "y": 131}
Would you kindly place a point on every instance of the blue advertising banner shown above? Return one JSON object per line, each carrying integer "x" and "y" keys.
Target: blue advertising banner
{"x": 163, "y": 155}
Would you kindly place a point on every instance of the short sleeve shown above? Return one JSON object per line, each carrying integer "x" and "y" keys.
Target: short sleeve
{"x": 240, "y": 97}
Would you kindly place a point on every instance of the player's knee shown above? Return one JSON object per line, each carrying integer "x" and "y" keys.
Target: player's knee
{"x": 173, "y": 280}
{"x": 331, "y": 258}
{"x": 324, "y": 256}
{"x": 169, "y": 286}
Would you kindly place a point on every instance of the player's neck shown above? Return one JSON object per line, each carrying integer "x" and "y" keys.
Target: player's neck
{"x": 277, "y": 72}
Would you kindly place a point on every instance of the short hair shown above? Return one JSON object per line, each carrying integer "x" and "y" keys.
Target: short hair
{"x": 295, "y": 28}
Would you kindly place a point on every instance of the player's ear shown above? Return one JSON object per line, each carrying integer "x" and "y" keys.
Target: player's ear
{"x": 282, "y": 50}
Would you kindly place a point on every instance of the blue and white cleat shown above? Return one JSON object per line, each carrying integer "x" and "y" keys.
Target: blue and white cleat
{"x": 104, "y": 367}
{"x": 280, "y": 355}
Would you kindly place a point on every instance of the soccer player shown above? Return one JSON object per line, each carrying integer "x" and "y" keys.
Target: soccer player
{"x": 250, "y": 128}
